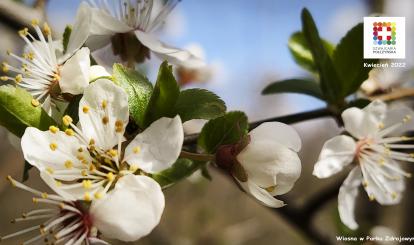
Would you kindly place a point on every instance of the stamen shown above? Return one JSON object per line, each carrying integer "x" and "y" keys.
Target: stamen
{"x": 53, "y": 129}
{"x": 67, "y": 120}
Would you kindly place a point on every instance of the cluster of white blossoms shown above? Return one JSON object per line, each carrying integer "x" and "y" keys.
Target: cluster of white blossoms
{"x": 376, "y": 147}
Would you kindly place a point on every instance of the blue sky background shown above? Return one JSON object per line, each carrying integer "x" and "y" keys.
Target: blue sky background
{"x": 249, "y": 41}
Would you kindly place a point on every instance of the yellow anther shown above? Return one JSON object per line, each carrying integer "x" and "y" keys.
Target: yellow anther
{"x": 35, "y": 102}
{"x": 407, "y": 118}
{"x": 84, "y": 172}
{"x": 394, "y": 195}
{"x": 18, "y": 78}
{"x": 371, "y": 197}
{"x": 58, "y": 183}
{"x": 10, "y": 179}
{"x": 84, "y": 161}
{"x": 53, "y": 146}
{"x": 381, "y": 162}
{"x": 91, "y": 142}
{"x": 4, "y": 78}
{"x": 24, "y": 32}
{"x": 105, "y": 120}
{"x": 8, "y": 52}
{"x": 405, "y": 137}
{"x": 69, "y": 132}
{"x": 87, "y": 197}
{"x": 35, "y": 22}
{"x": 4, "y": 67}
{"x": 270, "y": 188}
{"x": 113, "y": 152}
{"x": 412, "y": 155}
{"x": 50, "y": 170}
{"x": 30, "y": 56}
{"x": 110, "y": 176}
{"x": 365, "y": 183}
{"x": 67, "y": 120}
{"x": 104, "y": 104}
{"x": 98, "y": 195}
{"x": 53, "y": 129}
{"x": 68, "y": 164}
{"x": 80, "y": 149}
{"x": 46, "y": 29}
{"x": 136, "y": 150}
{"x": 56, "y": 77}
{"x": 62, "y": 205}
{"x": 409, "y": 175}
{"x": 44, "y": 195}
{"x": 119, "y": 126}
{"x": 87, "y": 184}
{"x": 35, "y": 200}
{"x": 85, "y": 109}
{"x": 133, "y": 168}
{"x": 80, "y": 156}
{"x": 92, "y": 168}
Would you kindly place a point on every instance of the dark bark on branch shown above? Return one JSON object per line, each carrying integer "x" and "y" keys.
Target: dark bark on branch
{"x": 17, "y": 15}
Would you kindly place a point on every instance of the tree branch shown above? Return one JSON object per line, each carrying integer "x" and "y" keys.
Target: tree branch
{"x": 289, "y": 119}
{"x": 18, "y": 15}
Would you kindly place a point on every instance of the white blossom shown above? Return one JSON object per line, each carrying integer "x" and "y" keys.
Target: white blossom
{"x": 46, "y": 72}
{"x": 376, "y": 153}
{"x": 139, "y": 17}
{"x": 60, "y": 221}
{"x": 85, "y": 162}
{"x": 271, "y": 162}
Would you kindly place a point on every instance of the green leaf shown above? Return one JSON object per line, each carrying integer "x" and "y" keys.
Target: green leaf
{"x": 164, "y": 97}
{"x": 181, "y": 169}
{"x": 66, "y": 37}
{"x": 300, "y": 86}
{"x": 329, "y": 80}
{"x": 139, "y": 91}
{"x": 224, "y": 130}
{"x": 348, "y": 59}
{"x": 73, "y": 108}
{"x": 301, "y": 53}
{"x": 360, "y": 103}
{"x": 199, "y": 104}
{"x": 17, "y": 112}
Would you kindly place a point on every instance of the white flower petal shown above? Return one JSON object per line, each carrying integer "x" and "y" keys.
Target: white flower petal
{"x": 74, "y": 73}
{"x": 270, "y": 164}
{"x": 97, "y": 71}
{"x": 278, "y": 132}
{"x": 261, "y": 195}
{"x": 80, "y": 30}
{"x": 365, "y": 122}
{"x": 159, "y": 145}
{"x": 336, "y": 154}
{"x": 347, "y": 197}
{"x": 165, "y": 52}
{"x": 384, "y": 190}
{"x": 131, "y": 210}
{"x": 104, "y": 104}
{"x": 48, "y": 151}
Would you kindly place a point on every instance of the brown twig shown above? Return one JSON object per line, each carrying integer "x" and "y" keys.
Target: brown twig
{"x": 18, "y": 15}
{"x": 395, "y": 94}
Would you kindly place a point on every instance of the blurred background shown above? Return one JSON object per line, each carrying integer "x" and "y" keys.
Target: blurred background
{"x": 245, "y": 45}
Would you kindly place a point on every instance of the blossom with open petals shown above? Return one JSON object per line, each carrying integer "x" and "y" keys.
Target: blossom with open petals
{"x": 61, "y": 221}
{"x": 140, "y": 18}
{"x": 46, "y": 72}
{"x": 85, "y": 162}
{"x": 375, "y": 151}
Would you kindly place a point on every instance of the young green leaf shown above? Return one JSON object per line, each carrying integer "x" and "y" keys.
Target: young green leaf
{"x": 329, "y": 80}
{"x": 300, "y": 86}
{"x": 138, "y": 88}
{"x": 301, "y": 53}
{"x": 164, "y": 97}
{"x": 227, "y": 129}
{"x": 17, "y": 112}
{"x": 348, "y": 59}
{"x": 66, "y": 37}
{"x": 181, "y": 169}
{"x": 199, "y": 104}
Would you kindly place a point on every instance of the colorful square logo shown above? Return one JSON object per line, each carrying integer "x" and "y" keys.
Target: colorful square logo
{"x": 384, "y": 37}
{"x": 385, "y": 33}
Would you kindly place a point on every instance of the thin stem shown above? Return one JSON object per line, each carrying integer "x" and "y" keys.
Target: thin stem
{"x": 197, "y": 156}
{"x": 395, "y": 94}
{"x": 289, "y": 119}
